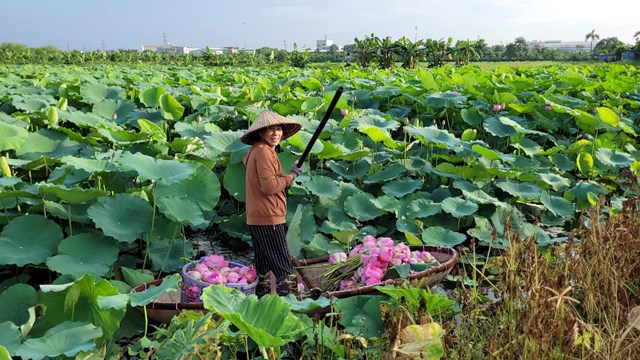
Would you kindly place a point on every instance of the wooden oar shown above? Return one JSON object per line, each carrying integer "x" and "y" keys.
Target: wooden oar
{"x": 323, "y": 122}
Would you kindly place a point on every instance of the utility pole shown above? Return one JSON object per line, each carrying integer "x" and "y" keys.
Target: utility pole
{"x": 103, "y": 50}
{"x": 285, "y": 45}
{"x": 164, "y": 38}
{"x": 416, "y": 38}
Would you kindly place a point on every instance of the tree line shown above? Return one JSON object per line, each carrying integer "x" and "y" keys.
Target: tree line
{"x": 366, "y": 52}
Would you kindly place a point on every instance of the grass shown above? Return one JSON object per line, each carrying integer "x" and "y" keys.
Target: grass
{"x": 569, "y": 301}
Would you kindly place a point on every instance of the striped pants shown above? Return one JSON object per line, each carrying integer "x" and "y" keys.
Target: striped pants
{"x": 270, "y": 250}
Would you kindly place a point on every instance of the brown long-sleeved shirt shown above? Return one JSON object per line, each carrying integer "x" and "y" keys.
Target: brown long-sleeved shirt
{"x": 266, "y": 200}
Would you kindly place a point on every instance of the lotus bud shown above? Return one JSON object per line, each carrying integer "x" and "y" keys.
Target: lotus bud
{"x": 548, "y": 107}
{"x": 496, "y": 107}
{"x": 199, "y": 118}
{"x": 406, "y": 121}
{"x": 115, "y": 116}
{"x": 323, "y": 88}
{"x": 6, "y": 170}
{"x": 344, "y": 112}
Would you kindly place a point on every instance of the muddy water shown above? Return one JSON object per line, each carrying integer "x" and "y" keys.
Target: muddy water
{"x": 232, "y": 249}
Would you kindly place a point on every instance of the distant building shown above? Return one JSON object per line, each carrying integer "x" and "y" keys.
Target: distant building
{"x": 608, "y": 57}
{"x": 231, "y": 49}
{"x": 169, "y": 48}
{"x": 567, "y": 46}
{"x": 325, "y": 45}
{"x": 628, "y": 55}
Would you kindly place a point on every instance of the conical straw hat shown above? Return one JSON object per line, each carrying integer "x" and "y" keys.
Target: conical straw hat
{"x": 268, "y": 118}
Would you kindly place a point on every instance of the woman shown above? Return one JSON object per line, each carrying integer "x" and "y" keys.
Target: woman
{"x": 266, "y": 201}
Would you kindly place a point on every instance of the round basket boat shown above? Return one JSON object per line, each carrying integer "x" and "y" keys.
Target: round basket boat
{"x": 312, "y": 275}
{"x": 192, "y": 288}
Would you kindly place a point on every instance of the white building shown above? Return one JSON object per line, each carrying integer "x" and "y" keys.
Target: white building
{"x": 169, "y": 48}
{"x": 566, "y": 46}
{"x": 325, "y": 45}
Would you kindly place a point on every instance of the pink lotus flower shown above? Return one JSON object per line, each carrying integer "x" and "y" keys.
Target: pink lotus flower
{"x": 301, "y": 287}
{"x": 496, "y": 107}
{"x": 349, "y": 283}
{"x": 193, "y": 291}
{"x": 233, "y": 277}
{"x": 386, "y": 254}
{"x": 216, "y": 278}
{"x": 386, "y": 241}
{"x": 337, "y": 258}
{"x": 548, "y": 107}
{"x": 250, "y": 274}
{"x": 215, "y": 261}
{"x": 344, "y": 112}
{"x": 373, "y": 274}
{"x": 194, "y": 274}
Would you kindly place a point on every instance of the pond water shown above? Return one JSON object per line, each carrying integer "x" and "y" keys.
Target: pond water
{"x": 232, "y": 249}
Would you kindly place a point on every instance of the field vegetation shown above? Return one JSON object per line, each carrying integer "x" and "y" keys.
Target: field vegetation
{"x": 529, "y": 171}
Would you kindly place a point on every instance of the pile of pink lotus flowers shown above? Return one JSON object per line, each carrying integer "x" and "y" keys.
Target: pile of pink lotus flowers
{"x": 374, "y": 258}
{"x": 214, "y": 269}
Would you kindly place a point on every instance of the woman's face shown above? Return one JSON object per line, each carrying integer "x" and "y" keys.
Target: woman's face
{"x": 272, "y": 135}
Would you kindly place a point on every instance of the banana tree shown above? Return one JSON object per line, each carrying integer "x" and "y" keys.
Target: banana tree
{"x": 464, "y": 50}
{"x": 409, "y": 53}
{"x": 438, "y": 51}
{"x": 384, "y": 52}
{"x": 366, "y": 49}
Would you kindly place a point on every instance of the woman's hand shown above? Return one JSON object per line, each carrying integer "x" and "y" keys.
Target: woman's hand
{"x": 295, "y": 170}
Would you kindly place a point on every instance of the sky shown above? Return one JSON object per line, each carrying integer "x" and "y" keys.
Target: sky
{"x": 118, "y": 24}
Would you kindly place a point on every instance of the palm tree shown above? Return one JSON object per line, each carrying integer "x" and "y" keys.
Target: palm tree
{"x": 593, "y": 36}
{"x": 637, "y": 36}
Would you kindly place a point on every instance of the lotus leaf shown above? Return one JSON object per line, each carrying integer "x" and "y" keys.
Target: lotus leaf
{"x": 33, "y": 103}
{"x": 9, "y": 339}
{"x": 322, "y": 186}
{"x": 422, "y": 341}
{"x": 608, "y": 116}
{"x": 84, "y": 254}
{"x": 47, "y": 143}
{"x": 439, "y": 236}
{"x": 124, "y": 217}
{"x": 93, "y": 93}
{"x": 29, "y": 239}
{"x": 170, "y": 108}
{"x": 497, "y": 128}
{"x": 68, "y": 338}
{"x": 418, "y": 208}
{"x": 613, "y": 159}
{"x": 445, "y": 100}
{"x": 15, "y": 302}
{"x": 459, "y": 207}
{"x": 150, "y": 294}
{"x": 386, "y": 174}
{"x": 168, "y": 254}
{"x": 78, "y": 301}
{"x": 148, "y": 168}
{"x": 521, "y": 190}
{"x": 360, "y": 315}
{"x": 350, "y": 171}
{"x": 432, "y": 135}
{"x": 360, "y": 206}
{"x": 557, "y": 205}
{"x": 74, "y": 195}
{"x": 584, "y": 161}
{"x": 268, "y": 321}
{"x": 150, "y": 96}
{"x": 11, "y": 136}
{"x": 401, "y": 187}
{"x": 580, "y": 192}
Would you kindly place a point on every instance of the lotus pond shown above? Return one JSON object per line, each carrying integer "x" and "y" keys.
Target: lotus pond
{"x": 108, "y": 172}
